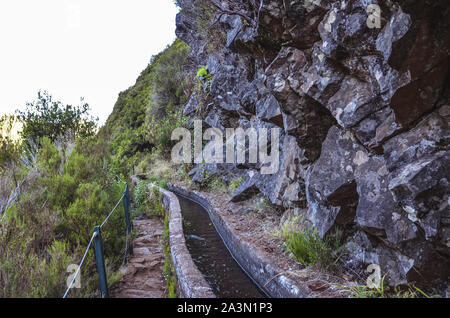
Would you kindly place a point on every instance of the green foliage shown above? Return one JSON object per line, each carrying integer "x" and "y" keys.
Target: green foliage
{"x": 182, "y": 175}
{"x": 159, "y": 182}
{"x": 23, "y": 273}
{"x": 145, "y": 115}
{"x": 9, "y": 151}
{"x": 208, "y": 27}
{"x": 140, "y": 193}
{"x": 147, "y": 198}
{"x": 309, "y": 248}
{"x": 210, "y": 182}
{"x": 49, "y": 157}
{"x": 306, "y": 246}
{"x": 143, "y": 166}
{"x": 217, "y": 186}
{"x": 203, "y": 72}
{"x": 204, "y": 78}
{"x": 162, "y": 137}
{"x": 48, "y": 118}
{"x": 50, "y": 224}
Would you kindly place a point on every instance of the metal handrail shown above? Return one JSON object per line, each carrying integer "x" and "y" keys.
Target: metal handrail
{"x": 98, "y": 246}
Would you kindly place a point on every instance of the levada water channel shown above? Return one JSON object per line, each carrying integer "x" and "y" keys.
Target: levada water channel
{"x": 210, "y": 254}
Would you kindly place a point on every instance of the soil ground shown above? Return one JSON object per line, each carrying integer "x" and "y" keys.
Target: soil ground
{"x": 143, "y": 275}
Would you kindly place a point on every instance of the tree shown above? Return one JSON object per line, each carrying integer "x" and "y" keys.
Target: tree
{"x": 48, "y": 118}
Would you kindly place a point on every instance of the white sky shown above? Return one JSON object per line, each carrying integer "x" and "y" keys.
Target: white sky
{"x": 78, "y": 48}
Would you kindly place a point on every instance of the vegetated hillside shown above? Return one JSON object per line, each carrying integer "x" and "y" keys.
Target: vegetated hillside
{"x": 145, "y": 115}
{"x": 51, "y": 197}
{"x": 364, "y": 113}
{"x": 54, "y": 188}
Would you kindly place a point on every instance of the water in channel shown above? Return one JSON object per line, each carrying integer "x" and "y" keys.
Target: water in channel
{"x": 211, "y": 256}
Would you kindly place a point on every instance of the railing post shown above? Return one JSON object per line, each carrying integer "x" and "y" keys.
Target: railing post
{"x": 126, "y": 208}
{"x": 100, "y": 262}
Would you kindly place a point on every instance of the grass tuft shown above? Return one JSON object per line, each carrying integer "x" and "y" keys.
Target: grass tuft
{"x": 309, "y": 248}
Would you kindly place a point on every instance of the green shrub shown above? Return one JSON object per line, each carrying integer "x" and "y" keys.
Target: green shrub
{"x": 50, "y": 224}
{"x": 146, "y": 114}
{"x": 203, "y": 72}
{"x": 147, "y": 199}
{"x": 204, "y": 78}
{"x": 23, "y": 271}
{"x": 162, "y": 136}
{"x": 309, "y": 248}
{"x": 142, "y": 167}
{"x": 49, "y": 156}
{"x": 46, "y": 117}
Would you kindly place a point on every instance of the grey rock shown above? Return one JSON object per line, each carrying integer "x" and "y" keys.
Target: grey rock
{"x": 364, "y": 116}
{"x": 331, "y": 185}
{"x": 422, "y": 189}
{"x": 429, "y": 136}
{"x": 191, "y": 106}
{"x": 269, "y": 109}
{"x": 246, "y": 189}
{"x": 285, "y": 187}
{"x": 377, "y": 212}
{"x": 363, "y": 251}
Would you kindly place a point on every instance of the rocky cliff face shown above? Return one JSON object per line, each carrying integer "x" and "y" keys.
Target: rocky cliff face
{"x": 364, "y": 111}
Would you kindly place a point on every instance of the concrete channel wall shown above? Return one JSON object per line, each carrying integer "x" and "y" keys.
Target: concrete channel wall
{"x": 268, "y": 277}
{"x": 191, "y": 283}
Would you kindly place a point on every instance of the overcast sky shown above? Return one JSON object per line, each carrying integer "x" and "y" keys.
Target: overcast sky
{"x": 78, "y": 48}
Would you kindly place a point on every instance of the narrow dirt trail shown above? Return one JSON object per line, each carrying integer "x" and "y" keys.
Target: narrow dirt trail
{"x": 143, "y": 275}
